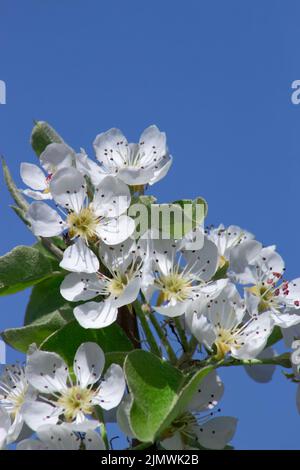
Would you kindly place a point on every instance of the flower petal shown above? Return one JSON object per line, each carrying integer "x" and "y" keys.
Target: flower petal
{"x": 79, "y": 258}
{"x": 44, "y": 220}
{"x": 33, "y": 176}
{"x": 96, "y": 314}
{"x": 111, "y": 149}
{"x": 56, "y": 156}
{"x": 217, "y": 432}
{"x": 81, "y": 286}
{"x": 115, "y": 231}
{"x": 58, "y": 437}
{"x": 112, "y": 197}
{"x": 209, "y": 393}
{"x": 88, "y": 363}
{"x": 129, "y": 294}
{"x": 93, "y": 441}
{"x": 37, "y": 195}
{"x": 37, "y": 413}
{"x": 46, "y": 371}
{"x": 112, "y": 388}
{"x": 68, "y": 188}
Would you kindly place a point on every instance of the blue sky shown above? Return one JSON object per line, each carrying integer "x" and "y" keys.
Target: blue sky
{"x": 216, "y": 76}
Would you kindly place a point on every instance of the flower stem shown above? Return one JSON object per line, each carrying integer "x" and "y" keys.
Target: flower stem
{"x": 147, "y": 330}
{"x": 182, "y": 335}
{"x": 162, "y": 337}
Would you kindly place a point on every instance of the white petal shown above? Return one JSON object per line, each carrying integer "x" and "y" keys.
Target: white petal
{"x": 162, "y": 170}
{"x": 81, "y": 286}
{"x": 37, "y": 195}
{"x": 88, "y": 363}
{"x": 95, "y": 314}
{"x": 203, "y": 262}
{"x": 129, "y": 294}
{"x": 44, "y": 220}
{"x": 79, "y": 258}
{"x": 115, "y": 231}
{"x": 254, "y": 337}
{"x": 119, "y": 256}
{"x": 179, "y": 308}
{"x": 37, "y": 413}
{"x": 217, "y": 432}
{"x": 209, "y": 393}
{"x": 286, "y": 320}
{"x": 33, "y": 176}
{"x": 89, "y": 168}
{"x": 58, "y": 437}
{"x": 112, "y": 388}
{"x": 31, "y": 444}
{"x": 200, "y": 327}
{"x": 173, "y": 443}
{"x": 93, "y": 441}
{"x": 111, "y": 149}
{"x": 46, "y": 371}
{"x": 112, "y": 197}
{"x": 68, "y": 188}
{"x": 262, "y": 373}
{"x": 56, "y": 156}
{"x": 123, "y": 414}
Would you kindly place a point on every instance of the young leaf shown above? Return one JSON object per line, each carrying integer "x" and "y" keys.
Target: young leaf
{"x": 154, "y": 385}
{"x": 45, "y": 298}
{"x": 23, "y": 267}
{"x": 42, "y": 135}
{"x": 66, "y": 341}
{"x": 37, "y": 332}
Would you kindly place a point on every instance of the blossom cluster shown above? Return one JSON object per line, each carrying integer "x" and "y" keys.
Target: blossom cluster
{"x": 225, "y": 298}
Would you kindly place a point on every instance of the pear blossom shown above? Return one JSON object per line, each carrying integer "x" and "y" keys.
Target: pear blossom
{"x": 268, "y": 290}
{"x": 53, "y": 158}
{"x": 62, "y": 398}
{"x": 86, "y": 222}
{"x": 119, "y": 287}
{"x": 59, "y": 437}
{"x": 14, "y": 391}
{"x": 226, "y": 327}
{"x": 136, "y": 164}
{"x": 227, "y": 239}
{"x": 179, "y": 276}
{"x": 197, "y": 426}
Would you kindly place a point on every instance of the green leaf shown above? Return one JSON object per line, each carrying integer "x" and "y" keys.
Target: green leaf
{"x": 14, "y": 191}
{"x": 37, "y": 332}
{"x": 154, "y": 385}
{"x": 45, "y": 298}
{"x": 66, "y": 341}
{"x": 23, "y": 267}
{"x": 274, "y": 337}
{"x": 42, "y": 135}
{"x": 115, "y": 357}
{"x": 160, "y": 393}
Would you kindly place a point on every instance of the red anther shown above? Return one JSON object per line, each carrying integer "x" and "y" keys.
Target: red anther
{"x": 276, "y": 292}
{"x": 297, "y": 303}
{"x": 48, "y": 178}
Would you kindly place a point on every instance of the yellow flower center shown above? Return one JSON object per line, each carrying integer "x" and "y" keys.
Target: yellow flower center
{"x": 17, "y": 398}
{"x": 265, "y": 294}
{"x": 173, "y": 287}
{"x": 117, "y": 285}
{"x": 83, "y": 224}
{"x": 76, "y": 400}
{"x": 224, "y": 341}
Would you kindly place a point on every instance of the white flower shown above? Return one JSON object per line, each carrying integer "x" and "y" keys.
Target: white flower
{"x": 62, "y": 397}
{"x": 269, "y": 291}
{"x": 59, "y": 437}
{"x": 197, "y": 426}
{"x": 136, "y": 164}
{"x": 54, "y": 157}
{"x": 178, "y": 275}
{"x": 120, "y": 287}
{"x": 5, "y": 424}
{"x": 222, "y": 325}
{"x": 227, "y": 239}
{"x": 14, "y": 391}
{"x": 103, "y": 218}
